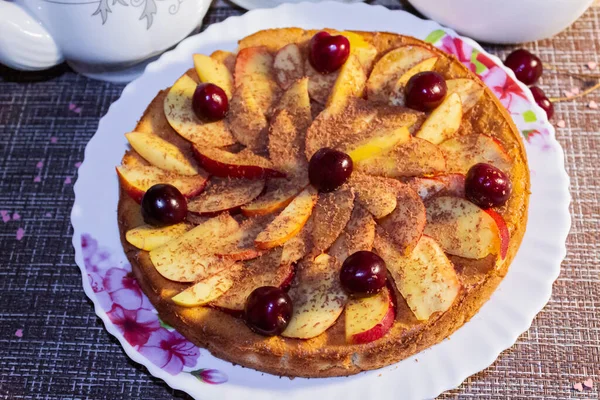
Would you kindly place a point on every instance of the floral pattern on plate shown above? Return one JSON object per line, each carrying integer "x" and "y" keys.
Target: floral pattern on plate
{"x": 130, "y": 311}
{"x": 508, "y": 91}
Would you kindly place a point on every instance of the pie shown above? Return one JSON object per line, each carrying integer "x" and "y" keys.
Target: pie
{"x": 276, "y": 174}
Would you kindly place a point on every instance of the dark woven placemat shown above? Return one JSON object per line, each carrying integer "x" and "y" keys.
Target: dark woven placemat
{"x": 47, "y": 118}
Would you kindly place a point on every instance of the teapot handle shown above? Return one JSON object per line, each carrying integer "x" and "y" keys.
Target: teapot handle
{"x": 24, "y": 43}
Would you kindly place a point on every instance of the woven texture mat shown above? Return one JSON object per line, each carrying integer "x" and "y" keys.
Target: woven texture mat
{"x": 52, "y": 345}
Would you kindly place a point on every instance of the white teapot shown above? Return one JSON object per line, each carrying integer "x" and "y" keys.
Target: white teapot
{"x": 104, "y": 39}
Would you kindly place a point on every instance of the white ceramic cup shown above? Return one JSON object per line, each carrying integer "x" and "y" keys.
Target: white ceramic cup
{"x": 504, "y": 21}
{"x": 104, "y": 39}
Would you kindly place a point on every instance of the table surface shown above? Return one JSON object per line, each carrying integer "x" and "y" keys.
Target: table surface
{"x": 47, "y": 118}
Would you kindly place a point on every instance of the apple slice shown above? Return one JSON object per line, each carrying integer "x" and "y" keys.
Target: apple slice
{"x": 136, "y": 180}
{"x": 378, "y": 195}
{"x": 463, "y": 152}
{"x": 288, "y": 65}
{"x": 444, "y": 121}
{"x": 397, "y": 96}
{"x": 363, "y": 50}
{"x": 360, "y": 123}
{"x": 470, "y": 92}
{"x": 369, "y": 318}
{"x": 414, "y": 157}
{"x": 255, "y": 92}
{"x": 454, "y": 184}
{"x": 298, "y": 246}
{"x": 225, "y": 57}
{"x": 242, "y": 245}
{"x": 503, "y": 231}
{"x": 318, "y": 298}
{"x": 331, "y": 214}
{"x": 381, "y": 142}
{"x": 209, "y": 289}
{"x": 319, "y": 85}
{"x": 147, "y": 237}
{"x": 391, "y": 67}
{"x": 244, "y": 164}
{"x": 349, "y": 83}
{"x": 462, "y": 228}
{"x": 287, "y": 133}
{"x": 213, "y": 71}
{"x": 425, "y": 278}
{"x": 161, "y": 153}
{"x": 225, "y": 195}
{"x": 180, "y": 115}
{"x": 278, "y": 194}
{"x": 289, "y": 222}
{"x": 358, "y": 235}
{"x": 440, "y": 185}
{"x": 405, "y": 225}
{"x": 191, "y": 257}
{"x": 265, "y": 270}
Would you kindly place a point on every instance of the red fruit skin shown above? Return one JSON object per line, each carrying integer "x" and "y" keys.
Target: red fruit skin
{"x": 379, "y": 330}
{"x": 288, "y": 281}
{"x": 323, "y": 57}
{"x": 137, "y": 194}
{"x": 527, "y": 66}
{"x": 223, "y": 170}
{"x": 542, "y": 100}
{"x": 133, "y": 192}
{"x": 210, "y": 102}
{"x": 502, "y": 229}
{"x": 233, "y": 211}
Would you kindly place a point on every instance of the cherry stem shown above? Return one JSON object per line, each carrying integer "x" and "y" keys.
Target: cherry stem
{"x": 584, "y": 93}
{"x": 574, "y": 75}
{"x": 569, "y": 73}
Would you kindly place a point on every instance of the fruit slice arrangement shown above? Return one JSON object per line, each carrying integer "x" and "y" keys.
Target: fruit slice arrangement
{"x": 321, "y": 180}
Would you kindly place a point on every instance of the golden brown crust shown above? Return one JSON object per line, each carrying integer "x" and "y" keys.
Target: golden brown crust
{"x": 328, "y": 354}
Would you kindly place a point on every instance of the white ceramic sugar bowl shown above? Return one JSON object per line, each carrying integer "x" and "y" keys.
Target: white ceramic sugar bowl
{"x": 504, "y": 21}
{"x": 103, "y": 39}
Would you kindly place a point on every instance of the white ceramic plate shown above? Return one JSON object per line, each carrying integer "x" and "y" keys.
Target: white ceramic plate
{"x": 132, "y": 320}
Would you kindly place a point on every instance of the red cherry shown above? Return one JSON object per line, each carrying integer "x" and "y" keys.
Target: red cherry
{"x": 542, "y": 101}
{"x": 425, "y": 91}
{"x": 268, "y": 310}
{"x": 210, "y": 102}
{"x": 163, "y": 204}
{"x": 527, "y": 67}
{"x": 487, "y": 186}
{"x": 328, "y": 53}
{"x": 328, "y": 169}
{"x": 363, "y": 273}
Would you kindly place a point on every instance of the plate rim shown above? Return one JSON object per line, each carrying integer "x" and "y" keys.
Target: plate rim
{"x": 164, "y": 59}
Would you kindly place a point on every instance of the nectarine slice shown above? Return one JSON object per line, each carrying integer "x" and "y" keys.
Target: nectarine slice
{"x": 289, "y": 222}
{"x": 180, "y": 115}
{"x": 161, "y": 153}
{"x": 462, "y": 228}
{"x": 425, "y": 278}
{"x": 225, "y": 195}
{"x": 318, "y": 298}
{"x": 191, "y": 257}
{"x": 147, "y": 237}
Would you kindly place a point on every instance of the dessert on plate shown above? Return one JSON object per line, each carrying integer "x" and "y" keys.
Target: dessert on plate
{"x": 321, "y": 203}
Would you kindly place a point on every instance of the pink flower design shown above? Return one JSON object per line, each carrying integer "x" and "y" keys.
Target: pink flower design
{"x": 170, "y": 351}
{"x": 124, "y": 289}
{"x": 538, "y": 137}
{"x": 211, "y": 376}
{"x": 136, "y": 325}
{"x": 460, "y": 49}
{"x": 506, "y": 89}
